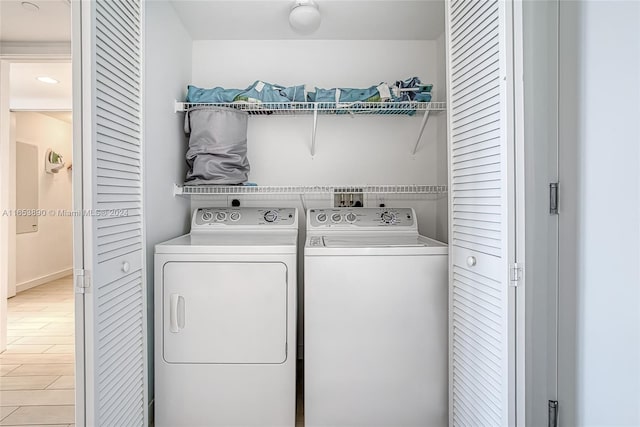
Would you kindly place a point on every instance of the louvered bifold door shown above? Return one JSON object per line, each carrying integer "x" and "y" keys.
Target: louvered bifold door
{"x": 115, "y": 302}
{"x": 481, "y": 193}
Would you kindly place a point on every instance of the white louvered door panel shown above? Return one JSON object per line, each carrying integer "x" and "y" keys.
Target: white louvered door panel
{"x": 481, "y": 335}
{"x": 115, "y": 303}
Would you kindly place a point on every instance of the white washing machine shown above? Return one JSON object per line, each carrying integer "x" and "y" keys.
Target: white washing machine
{"x": 376, "y": 302}
{"x": 225, "y": 320}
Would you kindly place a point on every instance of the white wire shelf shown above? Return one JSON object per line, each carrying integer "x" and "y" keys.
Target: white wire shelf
{"x": 180, "y": 190}
{"x": 316, "y": 109}
{"x": 322, "y": 108}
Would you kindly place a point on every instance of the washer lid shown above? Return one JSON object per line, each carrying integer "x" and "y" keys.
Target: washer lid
{"x": 372, "y": 241}
{"x": 373, "y": 244}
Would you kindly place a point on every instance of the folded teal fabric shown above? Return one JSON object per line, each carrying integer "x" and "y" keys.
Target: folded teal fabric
{"x": 411, "y": 89}
{"x": 258, "y": 92}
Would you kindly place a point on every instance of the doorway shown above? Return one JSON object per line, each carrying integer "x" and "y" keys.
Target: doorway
{"x": 37, "y": 367}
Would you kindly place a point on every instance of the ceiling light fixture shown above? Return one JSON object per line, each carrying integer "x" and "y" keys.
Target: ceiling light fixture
{"x": 31, "y": 7}
{"x": 304, "y": 16}
{"x": 45, "y": 79}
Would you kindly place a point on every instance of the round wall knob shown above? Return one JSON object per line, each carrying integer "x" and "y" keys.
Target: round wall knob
{"x": 125, "y": 267}
{"x": 471, "y": 261}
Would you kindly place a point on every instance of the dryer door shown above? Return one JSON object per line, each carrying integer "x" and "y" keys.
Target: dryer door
{"x": 224, "y": 312}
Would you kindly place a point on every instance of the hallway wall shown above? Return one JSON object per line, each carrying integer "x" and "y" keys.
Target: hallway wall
{"x": 47, "y": 253}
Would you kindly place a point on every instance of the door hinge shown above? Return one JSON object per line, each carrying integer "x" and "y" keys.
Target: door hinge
{"x": 553, "y": 413}
{"x": 82, "y": 280}
{"x": 553, "y": 198}
{"x": 515, "y": 273}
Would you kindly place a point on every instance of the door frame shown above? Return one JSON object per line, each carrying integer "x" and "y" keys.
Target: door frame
{"x": 78, "y": 221}
{"x": 7, "y": 181}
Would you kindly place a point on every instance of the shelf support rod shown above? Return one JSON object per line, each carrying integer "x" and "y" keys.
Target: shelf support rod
{"x": 315, "y": 126}
{"x": 422, "y": 126}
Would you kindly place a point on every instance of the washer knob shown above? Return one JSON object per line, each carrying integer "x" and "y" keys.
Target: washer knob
{"x": 388, "y": 217}
{"x": 270, "y": 216}
{"x": 221, "y": 216}
{"x": 234, "y": 216}
{"x": 321, "y": 217}
{"x": 336, "y": 217}
{"x": 351, "y": 217}
{"x": 207, "y": 216}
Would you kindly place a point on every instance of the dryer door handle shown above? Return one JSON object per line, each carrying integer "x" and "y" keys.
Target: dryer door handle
{"x": 176, "y": 313}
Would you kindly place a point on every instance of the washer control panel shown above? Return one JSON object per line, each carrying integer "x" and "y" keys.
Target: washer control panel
{"x": 204, "y": 218}
{"x": 361, "y": 217}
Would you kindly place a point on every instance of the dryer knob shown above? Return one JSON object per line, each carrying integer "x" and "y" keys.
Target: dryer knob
{"x": 336, "y": 217}
{"x": 221, "y": 216}
{"x": 351, "y": 217}
{"x": 207, "y": 216}
{"x": 234, "y": 216}
{"x": 388, "y": 217}
{"x": 321, "y": 217}
{"x": 270, "y": 216}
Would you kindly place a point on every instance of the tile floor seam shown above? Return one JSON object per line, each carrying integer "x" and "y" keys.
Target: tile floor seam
{"x": 1, "y": 419}
{"x": 52, "y": 382}
{"x": 9, "y": 371}
{"x": 43, "y": 317}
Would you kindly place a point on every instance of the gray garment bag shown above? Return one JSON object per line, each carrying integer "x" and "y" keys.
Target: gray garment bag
{"x": 217, "y": 146}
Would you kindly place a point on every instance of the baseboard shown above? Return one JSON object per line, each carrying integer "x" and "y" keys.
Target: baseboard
{"x": 42, "y": 280}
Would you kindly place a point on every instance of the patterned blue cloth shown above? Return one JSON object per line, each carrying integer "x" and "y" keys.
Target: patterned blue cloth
{"x": 257, "y": 92}
{"x": 411, "y": 89}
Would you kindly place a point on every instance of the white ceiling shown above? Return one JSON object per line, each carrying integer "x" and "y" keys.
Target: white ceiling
{"x": 27, "y": 93}
{"x": 52, "y": 23}
{"x": 341, "y": 19}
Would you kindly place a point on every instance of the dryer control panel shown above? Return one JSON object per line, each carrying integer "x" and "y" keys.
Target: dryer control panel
{"x": 205, "y": 218}
{"x": 396, "y": 218}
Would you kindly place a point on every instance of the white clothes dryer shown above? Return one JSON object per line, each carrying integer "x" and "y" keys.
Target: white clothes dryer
{"x": 375, "y": 298}
{"x": 225, "y": 320}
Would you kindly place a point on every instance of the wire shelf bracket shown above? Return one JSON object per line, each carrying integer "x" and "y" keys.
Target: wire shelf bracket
{"x": 422, "y": 126}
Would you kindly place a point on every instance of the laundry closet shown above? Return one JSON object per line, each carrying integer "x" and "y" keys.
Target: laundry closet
{"x": 315, "y": 159}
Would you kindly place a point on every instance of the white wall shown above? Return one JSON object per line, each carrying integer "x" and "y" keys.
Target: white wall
{"x": 12, "y": 220}
{"x": 47, "y": 252}
{"x": 5, "y": 165}
{"x": 600, "y": 213}
{"x": 541, "y": 147}
{"x": 360, "y": 150}
{"x": 442, "y": 156}
{"x": 168, "y": 71}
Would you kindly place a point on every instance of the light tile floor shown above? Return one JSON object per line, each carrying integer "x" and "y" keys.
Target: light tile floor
{"x": 36, "y": 370}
